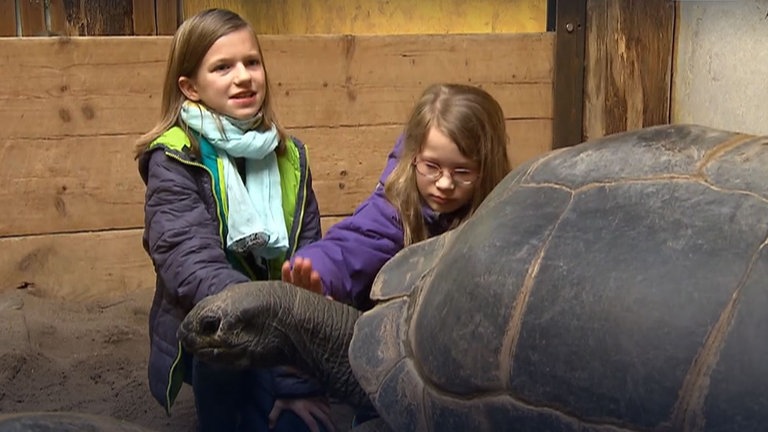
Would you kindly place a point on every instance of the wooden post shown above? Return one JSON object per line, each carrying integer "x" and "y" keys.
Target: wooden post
{"x": 627, "y": 83}
{"x": 570, "y": 30}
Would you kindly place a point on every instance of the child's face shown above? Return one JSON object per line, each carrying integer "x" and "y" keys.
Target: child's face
{"x": 231, "y": 78}
{"x": 445, "y": 193}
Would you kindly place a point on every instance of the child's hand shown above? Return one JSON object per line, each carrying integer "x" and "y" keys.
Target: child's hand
{"x": 302, "y": 275}
{"x": 310, "y": 410}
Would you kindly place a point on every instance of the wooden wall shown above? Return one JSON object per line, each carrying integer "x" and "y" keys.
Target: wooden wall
{"x": 89, "y": 18}
{"x": 384, "y": 16}
{"x": 71, "y": 206}
{"x": 160, "y": 17}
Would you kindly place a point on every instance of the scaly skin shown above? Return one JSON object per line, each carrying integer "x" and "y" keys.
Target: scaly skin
{"x": 272, "y": 323}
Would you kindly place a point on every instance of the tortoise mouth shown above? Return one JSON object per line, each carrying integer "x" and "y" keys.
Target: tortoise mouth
{"x": 234, "y": 355}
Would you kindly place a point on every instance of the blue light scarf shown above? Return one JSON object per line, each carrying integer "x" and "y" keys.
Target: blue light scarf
{"x": 255, "y": 218}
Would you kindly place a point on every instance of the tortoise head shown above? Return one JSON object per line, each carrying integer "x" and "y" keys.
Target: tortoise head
{"x": 236, "y": 327}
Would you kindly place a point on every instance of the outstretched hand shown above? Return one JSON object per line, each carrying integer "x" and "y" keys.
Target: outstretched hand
{"x": 302, "y": 275}
{"x": 310, "y": 410}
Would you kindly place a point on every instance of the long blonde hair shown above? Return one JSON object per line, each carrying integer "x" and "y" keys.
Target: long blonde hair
{"x": 472, "y": 119}
{"x": 190, "y": 44}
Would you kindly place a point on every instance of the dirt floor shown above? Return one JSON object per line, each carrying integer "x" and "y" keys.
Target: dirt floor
{"x": 87, "y": 357}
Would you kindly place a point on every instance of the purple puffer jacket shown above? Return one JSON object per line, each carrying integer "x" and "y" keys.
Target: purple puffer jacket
{"x": 354, "y": 250}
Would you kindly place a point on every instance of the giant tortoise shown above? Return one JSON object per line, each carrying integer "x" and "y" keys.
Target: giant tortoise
{"x": 617, "y": 285}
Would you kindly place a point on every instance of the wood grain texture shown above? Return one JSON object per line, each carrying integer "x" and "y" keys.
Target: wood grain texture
{"x": 144, "y": 23}
{"x": 8, "y": 18}
{"x": 384, "y": 17}
{"x": 168, "y": 16}
{"x": 96, "y": 17}
{"x": 628, "y": 76}
{"x": 32, "y": 14}
{"x": 73, "y": 201}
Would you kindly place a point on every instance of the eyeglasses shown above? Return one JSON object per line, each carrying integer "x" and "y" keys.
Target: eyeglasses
{"x": 433, "y": 171}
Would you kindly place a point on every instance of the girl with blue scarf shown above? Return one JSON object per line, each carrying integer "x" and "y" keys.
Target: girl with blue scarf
{"x": 229, "y": 198}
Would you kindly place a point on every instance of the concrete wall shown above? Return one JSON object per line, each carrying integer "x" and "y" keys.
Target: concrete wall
{"x": 720, "y": 76}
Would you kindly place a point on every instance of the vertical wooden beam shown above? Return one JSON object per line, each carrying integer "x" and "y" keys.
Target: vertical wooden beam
{"x": 629, "y": 56}
{"x": 8, "y": 18}
{"x": 551, "y": 15}
{"x": 568, "y": 87}
{"x": 144, "y": 18}
{"x": 168, "y": 16}
{"x": 32, "y": 18}
{"x": 57, "y": 12}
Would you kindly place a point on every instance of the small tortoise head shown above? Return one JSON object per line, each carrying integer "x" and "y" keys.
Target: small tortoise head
{"x": 236, "y": 328}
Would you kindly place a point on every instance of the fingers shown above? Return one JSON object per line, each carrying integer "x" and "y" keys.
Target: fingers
{"x": 308, "y": 410}
{"x": 302, "y": 270}
{"x": 315, "y": 284}
{"x": 308, "y": 419}
{"x": 325, "y": 418}
{"x": 302, "y": 275}
{"x": 277, "y": 409}
{"x": 286, "y": 272}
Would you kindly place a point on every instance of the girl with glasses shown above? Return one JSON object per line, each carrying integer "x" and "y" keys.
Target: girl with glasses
{"x": 452, "y": 153}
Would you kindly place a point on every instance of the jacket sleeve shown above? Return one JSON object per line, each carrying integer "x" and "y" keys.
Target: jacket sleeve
{"x": 310, "y": 231}
{"x": 354, "y": 250}
{"x": 182, "y": 236}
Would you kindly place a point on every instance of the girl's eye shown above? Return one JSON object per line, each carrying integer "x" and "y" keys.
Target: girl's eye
{"x": 221, "y": 67}
{"x": 254, "y": 62}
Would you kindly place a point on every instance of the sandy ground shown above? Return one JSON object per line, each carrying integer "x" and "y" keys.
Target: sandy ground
{"x": 87, "y": 357}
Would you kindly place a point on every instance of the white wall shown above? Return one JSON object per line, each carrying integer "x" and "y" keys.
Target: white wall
{"x": 720, "y": 76}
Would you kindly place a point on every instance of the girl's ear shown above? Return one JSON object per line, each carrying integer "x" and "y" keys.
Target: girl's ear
{"x": 187, "y": 86}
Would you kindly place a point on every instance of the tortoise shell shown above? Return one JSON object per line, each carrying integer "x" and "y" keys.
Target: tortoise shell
{"x": 615, "y": 285}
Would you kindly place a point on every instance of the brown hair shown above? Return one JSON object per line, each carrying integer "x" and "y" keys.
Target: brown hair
{"x": 474, "y": 121}
{"x": 190, "y": 44}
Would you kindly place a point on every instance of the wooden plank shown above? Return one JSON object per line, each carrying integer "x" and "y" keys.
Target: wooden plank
{"x": 32, "y": 18}
{"x": 98, "y": 17}
{"x": 144, "y": 18}
{"x": 570, "y": 22}
{"x": 168, "y": 16}
{"x": 57, "y": 13}
{"x": 629, "y": 54}
{"x": 76, "y": 266}
{"x": 63, "y": 114}
{"x": 81, "y": 266}
{"x": 384, "y": 17}
{"x": 8, "y": 18}
{"x": 327, "y": 222}
{"x": 77, "y": 76}
{"x": 54, "y": 186}
{"x": 75, "y": 184}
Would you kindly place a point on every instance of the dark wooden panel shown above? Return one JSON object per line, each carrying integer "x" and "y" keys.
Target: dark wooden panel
{"x": 144, "y": 18}
{"x": 168, "y": 16}
{"x": 8, "y": 18}
{"x": 98, "y": 17}
{"x": 57, "y": 12}
{"x": 32, "y": 18}
{"x": 570, "y": 23}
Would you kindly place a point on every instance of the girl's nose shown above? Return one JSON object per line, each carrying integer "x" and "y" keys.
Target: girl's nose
{"x": 445, "y": 182}
{"x": 241, "y": 74}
